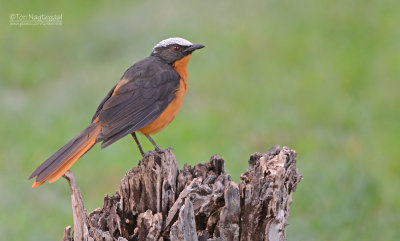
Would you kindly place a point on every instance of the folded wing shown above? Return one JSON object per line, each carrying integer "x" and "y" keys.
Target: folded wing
{"x": 149, "y": 87}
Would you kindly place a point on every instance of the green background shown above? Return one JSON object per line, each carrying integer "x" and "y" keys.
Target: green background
{"x": 319, "y": 76}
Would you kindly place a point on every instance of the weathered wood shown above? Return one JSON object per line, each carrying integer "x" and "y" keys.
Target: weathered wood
{"x": 185, "y": 227}
{"x": 67, "y": 234}
{"x": 81, "y": 231}
{"x": 266, "y": 192}
{"x": 156, "y": 201}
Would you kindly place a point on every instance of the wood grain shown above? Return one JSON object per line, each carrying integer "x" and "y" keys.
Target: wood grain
{"x": 156, "y": 201}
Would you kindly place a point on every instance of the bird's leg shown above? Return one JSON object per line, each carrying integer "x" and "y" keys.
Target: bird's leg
{"x": 154, "y": 144}
{"x": 137, "y": 142}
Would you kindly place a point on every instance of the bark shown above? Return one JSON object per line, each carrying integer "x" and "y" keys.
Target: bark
{"x": 156, "y": 201}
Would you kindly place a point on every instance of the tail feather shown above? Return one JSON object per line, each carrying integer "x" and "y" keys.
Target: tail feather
{"x": 56, "y": 165}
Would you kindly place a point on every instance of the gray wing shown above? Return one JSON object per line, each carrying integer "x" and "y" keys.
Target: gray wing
{"x": 150, "y": 88}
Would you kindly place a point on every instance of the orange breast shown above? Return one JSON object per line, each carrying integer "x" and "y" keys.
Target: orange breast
{"x": 173, "y": 108}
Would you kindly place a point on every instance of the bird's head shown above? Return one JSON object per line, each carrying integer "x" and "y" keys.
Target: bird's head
{"x": 173, "y": 49}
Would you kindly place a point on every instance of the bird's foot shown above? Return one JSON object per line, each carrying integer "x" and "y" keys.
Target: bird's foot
{"x": 146, "y": 154}
{"x": 159, "y": 150}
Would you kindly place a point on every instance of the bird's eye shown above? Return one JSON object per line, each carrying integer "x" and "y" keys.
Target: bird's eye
{"x": 177, "y": 48}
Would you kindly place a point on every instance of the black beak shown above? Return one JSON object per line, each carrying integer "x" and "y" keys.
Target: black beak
{"x": 193, "y": 48}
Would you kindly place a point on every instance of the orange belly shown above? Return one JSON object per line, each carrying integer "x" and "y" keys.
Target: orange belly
{"x": 168, "y": 114}
{"x": 173, "y": 108}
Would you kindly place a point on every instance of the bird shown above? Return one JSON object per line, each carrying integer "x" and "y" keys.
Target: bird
{"x": 146, "y": 99}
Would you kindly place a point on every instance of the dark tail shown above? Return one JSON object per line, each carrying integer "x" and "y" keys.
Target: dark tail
{"x": 59, "y": 163}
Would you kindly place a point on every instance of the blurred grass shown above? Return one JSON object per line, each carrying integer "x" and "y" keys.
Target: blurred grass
{"x": 319, "y": 76}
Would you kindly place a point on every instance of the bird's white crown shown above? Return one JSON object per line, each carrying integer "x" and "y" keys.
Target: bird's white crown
{"x": 169, "y": 41}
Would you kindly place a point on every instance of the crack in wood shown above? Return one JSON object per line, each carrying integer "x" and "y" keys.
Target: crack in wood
{"x": 156, "y": 201}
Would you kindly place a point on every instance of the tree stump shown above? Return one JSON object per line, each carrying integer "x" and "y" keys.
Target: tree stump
{"x": 156, "y": 201}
